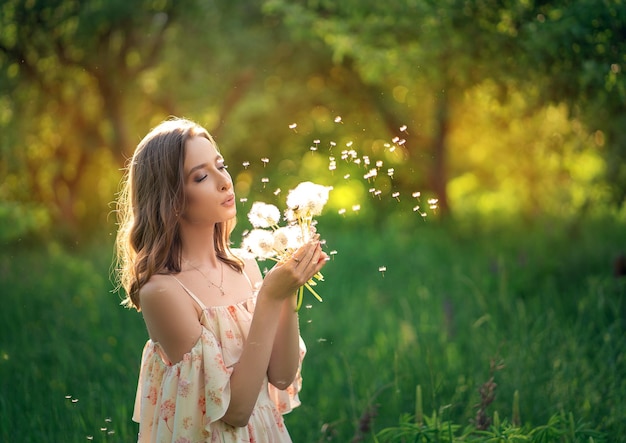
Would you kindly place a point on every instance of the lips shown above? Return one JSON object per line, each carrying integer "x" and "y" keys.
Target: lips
{"x": 229, "y": 201}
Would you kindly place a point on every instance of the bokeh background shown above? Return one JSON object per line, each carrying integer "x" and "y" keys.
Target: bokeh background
{"x": 477, "y": 151}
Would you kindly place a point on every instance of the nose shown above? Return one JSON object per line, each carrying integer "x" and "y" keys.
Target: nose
{"x": 226, "y": 184}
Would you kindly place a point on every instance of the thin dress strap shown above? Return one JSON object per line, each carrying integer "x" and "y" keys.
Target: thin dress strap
{"x": 202, "y": 306}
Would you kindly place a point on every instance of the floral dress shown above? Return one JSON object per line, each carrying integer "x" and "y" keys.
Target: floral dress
{"x": 184, "y": 402}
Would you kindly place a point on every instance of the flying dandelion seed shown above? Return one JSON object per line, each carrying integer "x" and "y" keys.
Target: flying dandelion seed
{"x": 338, "y": 119}
{"x": 382, "y": 270}
{"x": 403, "y": 128}
{"x": 332, "y": 165}
{"x": 379, "y": 163}
{"x": 243, "y": 200}
{"x": 378, "y": 193}
{"x": 277, "y": 191}
{"x": 395, "y": 140}
{"x": 349, "y": 144}
{"x": 393, "y": 148}
{"x": 265, "y": 161}
{"x": 347, "y": 176}
{"x": 265, "y": 180}
{"x": 342, "y": 211}
{"x": 416, "y": 208}
{"x": 357, "y": 161}
{"x": 293, "y": 126}
{"x": 332, "y": 144}
{"x": 372, "y": 190}
{"x": 321, "y": 340}
{"x": 416, "y": 194}
{"x": 90, "y": 437}
{"x": 366, "y": 160}
{"x": 316, "y": 141}
{"x": 401, "y": 142}
{"x": 313, "y": 148}
{"x": 396, "y": 195}
{"x": 245, "y": 165}
{"x": 108, "y": 419}
{"x": 432, "y": 203}
{"x": 308, "y": 306}
{"x": 103, "y": 429}
{"x": 74, "y": 400}
{"x": 390, "y": 172}
{"x": 332, "y": 253}
{"x": 67, "y": 397}
{"x": 356, "y": 208}
{"x": 371, "y": 174}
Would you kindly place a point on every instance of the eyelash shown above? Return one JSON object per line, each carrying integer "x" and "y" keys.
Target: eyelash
{"x": 221, "y": 168}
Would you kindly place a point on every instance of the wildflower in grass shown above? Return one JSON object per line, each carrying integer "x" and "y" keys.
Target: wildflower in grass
{"x": 268, "y": 240}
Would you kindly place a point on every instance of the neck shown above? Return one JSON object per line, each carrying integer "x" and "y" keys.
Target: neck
{"x": 198, "y": 246}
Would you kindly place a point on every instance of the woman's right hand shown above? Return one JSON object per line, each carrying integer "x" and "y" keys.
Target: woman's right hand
{"x": 284, "y": 279}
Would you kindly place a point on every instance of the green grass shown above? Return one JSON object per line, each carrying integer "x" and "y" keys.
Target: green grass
{"x": 540, "y": 299}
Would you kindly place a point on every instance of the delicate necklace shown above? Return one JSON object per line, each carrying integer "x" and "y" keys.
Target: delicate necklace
{"x": 221, "y": 286}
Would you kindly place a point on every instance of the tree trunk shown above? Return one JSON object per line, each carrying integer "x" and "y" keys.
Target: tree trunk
{"x": 439, "y": 176}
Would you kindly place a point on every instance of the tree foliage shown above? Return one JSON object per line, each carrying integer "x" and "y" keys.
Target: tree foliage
{"x": 82, "y": 81}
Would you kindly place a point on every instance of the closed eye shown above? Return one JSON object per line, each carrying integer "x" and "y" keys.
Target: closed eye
{"x": 200, "y": 179}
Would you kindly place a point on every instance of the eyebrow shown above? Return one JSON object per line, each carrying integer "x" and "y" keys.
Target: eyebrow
{"x": 218, "y": 158}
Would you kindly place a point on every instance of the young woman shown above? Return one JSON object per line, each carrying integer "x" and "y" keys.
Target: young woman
{"x": 223, "y": 358}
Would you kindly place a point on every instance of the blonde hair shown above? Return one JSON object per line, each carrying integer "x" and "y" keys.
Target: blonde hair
{"x": 151, "y": 198}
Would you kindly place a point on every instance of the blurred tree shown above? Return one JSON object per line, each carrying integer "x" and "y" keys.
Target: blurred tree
{"x": 68, "y": 71}
{"x": 420, "y": 58}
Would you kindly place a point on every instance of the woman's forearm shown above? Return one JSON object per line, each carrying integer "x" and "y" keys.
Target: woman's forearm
{"x": 285, "y": 356}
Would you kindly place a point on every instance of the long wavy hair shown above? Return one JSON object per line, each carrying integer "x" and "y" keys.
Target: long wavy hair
{"x": 148, "y": 207}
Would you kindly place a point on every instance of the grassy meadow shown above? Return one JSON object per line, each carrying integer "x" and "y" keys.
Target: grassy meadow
{"x": 535, "y": 305}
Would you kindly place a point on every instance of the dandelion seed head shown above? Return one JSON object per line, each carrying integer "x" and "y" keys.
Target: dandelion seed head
{"x": 308, "y": 199}
{"x": 263, "y": 215}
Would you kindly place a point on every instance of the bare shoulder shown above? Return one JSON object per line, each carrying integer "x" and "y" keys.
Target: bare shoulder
{"x": 159, "y": 290}
{"x": 170, "y": 315}
{"x": 252, "y": 270}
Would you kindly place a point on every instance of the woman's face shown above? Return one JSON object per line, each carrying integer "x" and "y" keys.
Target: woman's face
{"x": 209, "y": 191}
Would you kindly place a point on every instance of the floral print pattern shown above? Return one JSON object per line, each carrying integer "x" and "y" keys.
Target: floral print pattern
{"x": 183, "y": 403}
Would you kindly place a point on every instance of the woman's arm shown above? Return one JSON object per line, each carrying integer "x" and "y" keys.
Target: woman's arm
{"x": 263, "y": 344}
